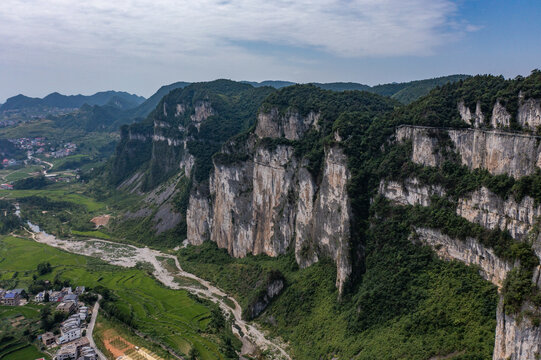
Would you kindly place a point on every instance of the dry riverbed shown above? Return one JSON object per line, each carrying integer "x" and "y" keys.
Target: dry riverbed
{"x": 129, "y": 256}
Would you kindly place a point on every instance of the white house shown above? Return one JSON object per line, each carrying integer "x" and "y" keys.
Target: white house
{"x": 69, "y": 332}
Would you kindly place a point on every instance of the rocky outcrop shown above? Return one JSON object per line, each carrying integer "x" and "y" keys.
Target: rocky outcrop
{"x": 500, "y": 116}
{"x": 470, "y": 252}
{"x": 529, "y": 113}
{"x": 330, "y": 222}
{"x": 492, "y": 212}
{"x": 425, "y": 142}
{"x": 270, "y": 202}
{"x": 499, "y": 152}
{"x": 409, "y": 192}
{"x": 274, "y": 286}
{"x": 290, "y": 125}
{"x": 475, "y": 119}
{"x": 202, "y": 111}
{"x": 516, "y": 339}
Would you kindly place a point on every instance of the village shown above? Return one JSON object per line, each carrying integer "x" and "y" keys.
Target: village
{"x": 40, "y": 146}
{"x": 73, "y": 339}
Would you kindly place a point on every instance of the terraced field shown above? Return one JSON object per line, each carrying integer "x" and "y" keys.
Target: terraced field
{"x": 20, "y": 351}
{"x": 71, "y": 193}
{"x": 169, "y": 316}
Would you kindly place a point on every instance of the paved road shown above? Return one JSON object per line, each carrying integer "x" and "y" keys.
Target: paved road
{"x": 90, "y": 329}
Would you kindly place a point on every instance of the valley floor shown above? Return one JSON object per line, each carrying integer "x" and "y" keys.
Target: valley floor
{"x": 129, "y": 256}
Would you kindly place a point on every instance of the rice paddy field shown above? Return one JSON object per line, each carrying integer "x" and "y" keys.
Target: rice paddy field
{"x": 171, "y": 317}
{"x": 20, "y": 350}
{"x": 13, "y": 320}
{"x": 8, "y": 174}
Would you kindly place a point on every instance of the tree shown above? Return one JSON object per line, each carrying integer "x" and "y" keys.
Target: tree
{"x": 44, "y": 268}
{"x": 193, "y": 354}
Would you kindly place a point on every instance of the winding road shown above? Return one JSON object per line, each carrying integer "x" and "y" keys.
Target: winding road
{"x": 128, "y": 256}
{"x": 90, "y": 329}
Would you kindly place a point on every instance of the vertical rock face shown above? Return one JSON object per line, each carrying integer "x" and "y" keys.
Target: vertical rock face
{"x": 198, "y": 215}
{"x": 202, "y": 111}
{"x": 273, "y": 199}
{"x": 500, "y": 116}
{"x": 332, "y": 213}
{"x": 270, "y": 203}
{"x": 290, "y": 125}
{"x": 305, "y": 252}
{"x": 529, "y": 114}
{"x": 499, "y": 152}
{"x": 232, "y": 228}
{"x": 465, "y": 113}
{"x": 492, "y": 212}
{"x": 516, "y": 339}
{"x": 410, "y": 192}
{"x": 424, "y": 142}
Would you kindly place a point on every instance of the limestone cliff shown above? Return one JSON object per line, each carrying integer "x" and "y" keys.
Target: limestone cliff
{"x": 529, "y": 113}
{"x": 410, "y": 192}
{"x": 497, "y": 151}
{"x": 528, "y": 116}
{"x": 269, "y": 202}
{"x": 470, "y": 252}
{"x": 517, "y": 338}
{"x": 492, "y": 212}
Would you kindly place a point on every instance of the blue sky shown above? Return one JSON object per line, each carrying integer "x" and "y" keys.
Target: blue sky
{"x": 74, "y": 47}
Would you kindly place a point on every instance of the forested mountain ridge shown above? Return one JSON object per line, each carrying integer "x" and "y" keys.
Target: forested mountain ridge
{"x": 347, "y": 188}
{"x": 404, "y": 92}
{"x": 56, "y": 100}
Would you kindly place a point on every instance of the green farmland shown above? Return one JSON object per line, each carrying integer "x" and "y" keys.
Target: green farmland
{"x": 171, "y": 317}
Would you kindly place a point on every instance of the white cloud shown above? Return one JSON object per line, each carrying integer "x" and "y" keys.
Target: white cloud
{"x": 208, "y": 28}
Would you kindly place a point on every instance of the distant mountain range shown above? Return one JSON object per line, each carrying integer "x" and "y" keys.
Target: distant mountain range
{"x": 405, "y": 92}
{"x": 108, "y": 110}
{"x": 115, "y": 112}
{"x": 56, "y": 100}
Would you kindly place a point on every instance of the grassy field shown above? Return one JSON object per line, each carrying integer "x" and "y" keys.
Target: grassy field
{"x": 14, "y": 321}
{"x": 22, "y": 173}
{"x": 72, "y": 193}
{"x": 169, "y": 316}
{"x": 20, "y": 351}
{"x": 29, "y": 311}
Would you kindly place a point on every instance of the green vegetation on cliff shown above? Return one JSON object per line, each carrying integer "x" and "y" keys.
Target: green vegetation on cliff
{"x": 440, "y": 107}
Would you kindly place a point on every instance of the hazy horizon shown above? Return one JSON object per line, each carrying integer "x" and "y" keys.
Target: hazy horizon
{"x": 138, "y": 46}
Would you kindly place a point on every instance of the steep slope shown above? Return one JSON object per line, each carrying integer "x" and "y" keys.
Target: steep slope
{"x": 298, "y": 192}
{"x": 173, "y": 147}
{"x": 150, "y": 104}
{"x": 350, "y": 196}
{"x": 484, "y": 177}
{"x": 280, "y": 187}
